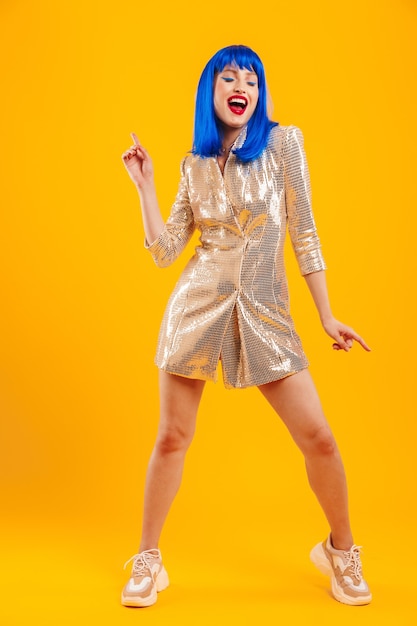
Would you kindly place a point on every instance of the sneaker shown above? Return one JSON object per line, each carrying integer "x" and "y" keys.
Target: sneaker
{"x": 148, "y": 577}
{"x": 345, "y": 570}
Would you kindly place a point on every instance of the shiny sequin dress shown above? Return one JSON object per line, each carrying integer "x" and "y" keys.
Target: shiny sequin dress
{"x": 231, "y": 301}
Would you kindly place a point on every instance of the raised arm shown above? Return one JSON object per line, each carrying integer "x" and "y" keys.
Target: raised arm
{"x": 139, "y": 166}
{"x": 164, "y": 241}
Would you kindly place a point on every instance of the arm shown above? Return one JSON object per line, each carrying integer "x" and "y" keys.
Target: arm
{"x": 140, "y": 169}
{"x": 164, "y": 241}
{"x": 301, "y": 224}
{"x": 342, "y": 334}
{"x": 305, "y": 240}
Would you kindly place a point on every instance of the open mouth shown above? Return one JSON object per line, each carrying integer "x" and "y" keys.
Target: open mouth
{"x": 237, "y": 104}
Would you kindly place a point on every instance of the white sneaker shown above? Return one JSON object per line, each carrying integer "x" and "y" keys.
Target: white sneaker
{"x": 345, "y": 570}
{"x": 148, "y": 577}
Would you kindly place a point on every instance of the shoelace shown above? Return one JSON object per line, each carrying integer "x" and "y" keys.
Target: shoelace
{"x": 142, "y": 562}
{"x": 354, "y": 561}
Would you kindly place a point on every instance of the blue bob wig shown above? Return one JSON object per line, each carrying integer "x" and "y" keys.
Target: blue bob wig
{"x": 207, "y": 128}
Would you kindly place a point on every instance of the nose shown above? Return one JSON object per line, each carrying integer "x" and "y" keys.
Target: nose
{"x": 239, "y": 89}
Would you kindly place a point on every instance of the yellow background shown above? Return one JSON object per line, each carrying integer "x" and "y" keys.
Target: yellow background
{"x": 82, "y": 302}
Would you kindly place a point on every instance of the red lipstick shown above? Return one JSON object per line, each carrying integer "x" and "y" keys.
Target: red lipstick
{"x": 237, "y": 104}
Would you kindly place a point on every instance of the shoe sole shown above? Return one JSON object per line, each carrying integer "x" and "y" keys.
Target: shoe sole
{"x": 320, "y": 560}
{"x": 162, "y": 582}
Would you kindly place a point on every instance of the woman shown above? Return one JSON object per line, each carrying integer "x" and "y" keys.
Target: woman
{"x": 246, "y": 179}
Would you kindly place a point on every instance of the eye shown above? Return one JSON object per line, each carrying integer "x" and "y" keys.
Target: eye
{"x": 251, "y": 83}
{"x": 227, "y": 79}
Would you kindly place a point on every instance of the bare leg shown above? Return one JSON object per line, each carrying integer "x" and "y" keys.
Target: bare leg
{"x": 296, "y": 401}
{"x": 179, "y": 401}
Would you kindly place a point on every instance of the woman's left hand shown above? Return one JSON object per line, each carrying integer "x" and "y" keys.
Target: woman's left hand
{"x": 343, "y": 335}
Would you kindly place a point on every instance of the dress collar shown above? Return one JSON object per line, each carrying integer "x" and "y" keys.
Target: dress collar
{"x": 240, "y": 139}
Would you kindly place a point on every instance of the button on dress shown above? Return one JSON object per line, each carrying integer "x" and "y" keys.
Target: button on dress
{"x": 231, "y": 301}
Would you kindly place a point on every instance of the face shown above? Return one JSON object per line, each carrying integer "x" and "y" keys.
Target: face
{"x": 235, "y": 96}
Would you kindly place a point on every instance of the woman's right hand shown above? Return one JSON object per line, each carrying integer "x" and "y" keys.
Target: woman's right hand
{"x": 138, "y": 164}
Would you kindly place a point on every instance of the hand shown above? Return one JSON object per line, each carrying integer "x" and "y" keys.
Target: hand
{"x": 138, "y": 163}
{"x": 343, "y": 335}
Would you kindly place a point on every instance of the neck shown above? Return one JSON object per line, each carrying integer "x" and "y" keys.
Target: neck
{"x": 229, "y": 137}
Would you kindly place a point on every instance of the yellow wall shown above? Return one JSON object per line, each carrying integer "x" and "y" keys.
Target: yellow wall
{"x": 82, "y": 299}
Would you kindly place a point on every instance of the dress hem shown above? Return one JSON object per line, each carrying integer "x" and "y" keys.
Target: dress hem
{"x": 214, "y": 379}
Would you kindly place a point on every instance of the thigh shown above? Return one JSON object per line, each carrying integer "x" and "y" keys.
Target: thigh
{"x": 179, "y": 401}
{"x": 296, "y": 401}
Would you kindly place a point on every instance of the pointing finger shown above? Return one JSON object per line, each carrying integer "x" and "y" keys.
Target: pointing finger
{"x": 135, "y": 139}
{"x": 359, "y": 339}
{"x": 363, "y": 344}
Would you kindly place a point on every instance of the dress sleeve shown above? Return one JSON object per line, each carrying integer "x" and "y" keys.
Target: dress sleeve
{"x": 178, "y": 228}
{"x": 301, "y": 223}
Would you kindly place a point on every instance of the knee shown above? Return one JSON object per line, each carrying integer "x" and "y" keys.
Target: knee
{"x": 173, "y": 439}
{"x": 322, "y": 443}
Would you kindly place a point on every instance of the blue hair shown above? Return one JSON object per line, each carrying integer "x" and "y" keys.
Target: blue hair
{"x": 207, "y": 130}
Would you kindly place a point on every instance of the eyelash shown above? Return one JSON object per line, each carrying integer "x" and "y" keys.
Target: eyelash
{"x": 229, "y": 80}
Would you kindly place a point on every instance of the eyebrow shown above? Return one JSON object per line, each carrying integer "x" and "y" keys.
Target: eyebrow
{"x": 235, "y": 71}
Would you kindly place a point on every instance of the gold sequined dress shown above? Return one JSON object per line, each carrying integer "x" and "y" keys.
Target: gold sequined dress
{"x": 231, "y": 301}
